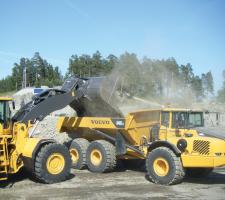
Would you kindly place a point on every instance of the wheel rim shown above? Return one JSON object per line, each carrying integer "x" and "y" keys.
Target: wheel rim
{"x": 96, "y": 157}
{"x": 161, "y": 167}
{"x": 55, "y": 163}
{"x": 74, "y": 155}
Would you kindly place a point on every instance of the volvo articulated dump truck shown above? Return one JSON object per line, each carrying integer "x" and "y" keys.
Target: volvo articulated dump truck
{"x": 173, "y": 141}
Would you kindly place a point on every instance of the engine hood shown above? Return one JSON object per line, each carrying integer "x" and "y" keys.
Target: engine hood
{"x": 217, "y": 132}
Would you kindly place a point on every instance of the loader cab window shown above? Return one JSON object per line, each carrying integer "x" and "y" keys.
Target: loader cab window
{"x": 5, "y": 114}
{"x": 165, "y": 119}
{"x": 1, "y": 112}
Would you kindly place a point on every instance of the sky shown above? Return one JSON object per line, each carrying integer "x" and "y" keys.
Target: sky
{"x": 191, "y": 31}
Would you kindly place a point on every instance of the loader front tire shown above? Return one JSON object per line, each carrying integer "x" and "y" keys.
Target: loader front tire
{"x": 164, "y": 167}
{"x": 101, "y": 156}
{"x": 52, "y": 163}
{"x": 78, "y": 150}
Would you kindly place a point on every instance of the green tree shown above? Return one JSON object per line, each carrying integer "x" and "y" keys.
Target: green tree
{"x": 197, "y": 88}
{"x": 207, "y": 82}
{"x": 95, "y": 65}
{"x": 38, "y": 72}
{"x": 129, "y": 69}
{"x": 221, "y": 92}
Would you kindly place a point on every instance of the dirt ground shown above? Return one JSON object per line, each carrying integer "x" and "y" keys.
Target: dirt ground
{"x": 126, "y": 184}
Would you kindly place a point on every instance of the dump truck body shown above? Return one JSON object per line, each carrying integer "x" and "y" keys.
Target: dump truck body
{"x": 136, "y": 129}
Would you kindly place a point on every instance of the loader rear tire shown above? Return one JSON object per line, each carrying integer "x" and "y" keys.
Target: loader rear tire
{"x": 164, "y": 167}
{"x": 198, "y": 172}
{"x": 78, "y": 150}
{"x": 101, "y": 156}
{"x": 52, "y": 163}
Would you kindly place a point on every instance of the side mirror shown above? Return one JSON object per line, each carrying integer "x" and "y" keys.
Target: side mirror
{"x": 13, "y": 105}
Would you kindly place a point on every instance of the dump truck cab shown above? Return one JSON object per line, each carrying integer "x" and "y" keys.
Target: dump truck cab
{"x": 185, "y": 129}
{"x": 183, "y": 133}
{"x": 179, "y": 123}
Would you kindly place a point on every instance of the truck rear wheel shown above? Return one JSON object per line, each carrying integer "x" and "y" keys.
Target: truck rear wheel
{"x": 164, "y": 167}
{"x": 198, "y": 172}
{"x": 78, "y": 150}
{"x": 52, "y": 163}
{"x": 101, "y": 156}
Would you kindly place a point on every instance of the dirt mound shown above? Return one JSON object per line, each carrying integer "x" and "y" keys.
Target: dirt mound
{"x": 23, "y": 96}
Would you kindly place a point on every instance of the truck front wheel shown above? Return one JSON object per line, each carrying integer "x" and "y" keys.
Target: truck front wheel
{"x": 164, "y": 167}
{"x": 52, "y": 163}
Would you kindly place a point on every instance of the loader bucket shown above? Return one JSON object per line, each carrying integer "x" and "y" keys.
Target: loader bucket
{"x": 98, "y": 98}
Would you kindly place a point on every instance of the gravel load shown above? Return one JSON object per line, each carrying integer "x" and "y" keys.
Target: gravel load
{"x": 47, "y": 129}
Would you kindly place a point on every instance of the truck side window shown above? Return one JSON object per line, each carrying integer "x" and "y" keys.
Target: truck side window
{"x": 165, "y": 119}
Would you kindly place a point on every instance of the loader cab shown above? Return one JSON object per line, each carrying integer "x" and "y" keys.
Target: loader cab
{"x": 5, "y": 115}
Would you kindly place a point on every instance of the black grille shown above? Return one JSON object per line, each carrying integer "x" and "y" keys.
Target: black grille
{"x": 201, "y": 146}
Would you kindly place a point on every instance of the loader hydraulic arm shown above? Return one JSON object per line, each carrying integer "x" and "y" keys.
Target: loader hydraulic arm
{"x": 50, "y": 100}
{"x": 87, "y": 96}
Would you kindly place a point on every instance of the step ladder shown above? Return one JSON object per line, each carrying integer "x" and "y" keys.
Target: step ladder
{"x": 3, "y": 159}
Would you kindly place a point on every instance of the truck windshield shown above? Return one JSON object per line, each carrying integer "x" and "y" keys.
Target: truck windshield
{"x": 187, "y": 119}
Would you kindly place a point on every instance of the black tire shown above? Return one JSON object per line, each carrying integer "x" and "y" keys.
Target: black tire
{"x": 108, "y": 156}
{"x": 198, "y": 172}
{"x": 78, "y": 148}
{"x": 173, "y": 171}
{"x": 43, "y": 158}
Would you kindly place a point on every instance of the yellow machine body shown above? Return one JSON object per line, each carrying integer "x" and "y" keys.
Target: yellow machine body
{"x": 15, "y": 144}
{"x": 136, "y": 128}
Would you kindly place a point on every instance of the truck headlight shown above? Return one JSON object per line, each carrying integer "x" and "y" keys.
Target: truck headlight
{"x": 201, "y": 134}
{"x": 182, "y": 144}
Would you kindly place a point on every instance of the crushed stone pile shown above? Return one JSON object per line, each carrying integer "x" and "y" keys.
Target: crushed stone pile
{"x": 47, "y": 129}
{"x": 22, "y": 97}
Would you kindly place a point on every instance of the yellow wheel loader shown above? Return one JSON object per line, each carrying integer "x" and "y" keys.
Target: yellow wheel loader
{"x": 47, "y": 160}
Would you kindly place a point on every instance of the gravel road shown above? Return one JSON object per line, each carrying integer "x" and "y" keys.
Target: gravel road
{"x": 128, "y": 184}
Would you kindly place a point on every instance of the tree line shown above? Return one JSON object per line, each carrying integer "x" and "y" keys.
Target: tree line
{"x": 140, "y": 77}
{"x": 38, "y": 72}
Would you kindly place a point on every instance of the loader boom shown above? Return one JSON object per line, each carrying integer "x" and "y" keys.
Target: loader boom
{"x": 83, "y": 95}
